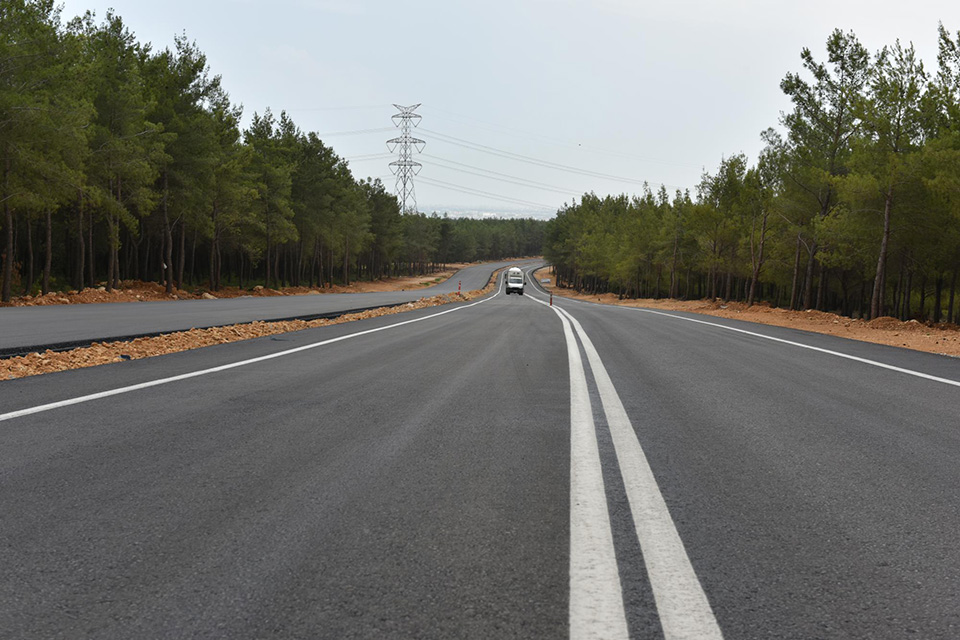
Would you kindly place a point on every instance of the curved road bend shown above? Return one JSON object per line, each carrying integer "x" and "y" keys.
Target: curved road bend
{"x": 493, "y": 469}
{"x": 22, "y": 327}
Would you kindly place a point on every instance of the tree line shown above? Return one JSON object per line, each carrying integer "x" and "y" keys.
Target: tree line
{"x": 121, "y": 162}
{"x": 853, "y": 205}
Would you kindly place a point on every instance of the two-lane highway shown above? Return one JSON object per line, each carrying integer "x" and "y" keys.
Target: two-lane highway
{"x": 493, "y": 469}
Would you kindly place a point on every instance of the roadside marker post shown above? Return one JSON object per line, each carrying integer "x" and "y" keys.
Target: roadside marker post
{"x": 458, "y": 286}
{"x": 551, "y": 299}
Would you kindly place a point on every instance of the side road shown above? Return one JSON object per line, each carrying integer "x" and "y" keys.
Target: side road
{"x": 26, "y": 329}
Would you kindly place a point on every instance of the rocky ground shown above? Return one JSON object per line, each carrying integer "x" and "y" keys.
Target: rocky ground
{"x": 942, "y": 338}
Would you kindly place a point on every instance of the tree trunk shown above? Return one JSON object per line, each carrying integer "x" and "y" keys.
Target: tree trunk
{"x": 48, "y": 258}
{"x": 116, "y": 243}
{"x": 330, "y": 264}
{"x": 808, "y": 276}
{"x": 876, "y": 300}
{"x": 758, "y": 263}
{"x": 953, "y": 289}
{"x": 145, "y": 263}
{"x": 8, "y": 252}
{"x": 674, "y": 289}
{"x": 90, "y": 252}
{"x": 193, "y": 258}
{"x": 182, "y": 253}
{"x": 898, "y": 293}
{"x": 214, "y": 280}
{"x": 796, "y": 274}
{"x": 923, "y": 297}
{"x": 111, "y": 260}
{"x": 937, "y": 298}
{"x": 167, "y": 241}
{"x": 907, "y": 293}
{"x": 81, "y": 249}
{"x": 28, "y": 285}
{"x": 267, "y": 279}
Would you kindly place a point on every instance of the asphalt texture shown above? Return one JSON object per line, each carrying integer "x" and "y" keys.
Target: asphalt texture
{"x": 26, "y": 329}
{"x": 415, "y": 482}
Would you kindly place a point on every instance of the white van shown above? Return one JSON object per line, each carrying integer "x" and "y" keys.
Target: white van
{"x": 514, "y": 280}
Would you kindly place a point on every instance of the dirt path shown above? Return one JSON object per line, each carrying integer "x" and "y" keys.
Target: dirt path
{"x": 943, "y": 339}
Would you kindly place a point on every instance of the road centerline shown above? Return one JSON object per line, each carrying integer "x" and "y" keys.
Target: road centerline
{"x": 682, "y": 604}
{"x": 596, "y": 595}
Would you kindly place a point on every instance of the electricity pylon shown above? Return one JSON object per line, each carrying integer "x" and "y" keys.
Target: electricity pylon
{"x": 405, "y": 167}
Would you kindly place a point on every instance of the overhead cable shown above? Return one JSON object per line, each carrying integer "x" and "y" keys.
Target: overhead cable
{"x": 357, "y": 132}
{"x": 551, "y": 140}
{"x": 441, "y": 137}
{"x": 487, "y": 194}
{"x": 523, "y": 182}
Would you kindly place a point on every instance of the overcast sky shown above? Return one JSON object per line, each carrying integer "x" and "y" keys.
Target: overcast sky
{"x": 638, "y": 90}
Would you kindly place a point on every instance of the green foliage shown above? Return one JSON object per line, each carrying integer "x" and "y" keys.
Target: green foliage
{"x": 856, "y": 205}
{"x": 139, "y": 159}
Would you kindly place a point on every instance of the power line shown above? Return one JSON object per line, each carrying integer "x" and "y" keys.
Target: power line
{"x": 487, "y": 194}
{"x": 441, "y": 137}
{"x": 369, "y": 156}
{"x": 356, "y": 132}
{"x": 344, "y": 108}
{"x": 405, "y": 167}
{"x": 555, "y": 141}
{"x": 440, "y": 162}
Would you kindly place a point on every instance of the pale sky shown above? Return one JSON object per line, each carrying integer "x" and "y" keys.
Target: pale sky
{"x": 626, "y": 89}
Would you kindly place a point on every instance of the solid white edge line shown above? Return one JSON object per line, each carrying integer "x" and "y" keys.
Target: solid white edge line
{"x": 875, "y": 363}
{"x": 682, "y": 604}
{"x": 596, "y": 596}
{"x": 193, "y": 374}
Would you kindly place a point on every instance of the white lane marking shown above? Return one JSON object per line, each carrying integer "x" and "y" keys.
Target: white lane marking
{"x": 875, "y": 363}
{"x": 193, "y": 374}
{"x": 596, "y": 597}
{"x": 682, "y": 604}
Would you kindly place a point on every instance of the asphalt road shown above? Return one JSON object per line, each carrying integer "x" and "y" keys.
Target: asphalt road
{"x": 25, "y": 329}
{"x": 486, "y": 470}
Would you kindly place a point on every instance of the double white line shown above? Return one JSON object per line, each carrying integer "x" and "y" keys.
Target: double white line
{"x": 596, "y": 597}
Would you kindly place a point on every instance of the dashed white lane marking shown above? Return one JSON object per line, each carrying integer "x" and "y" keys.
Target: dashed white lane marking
{"x": 233, "y": 365}
{"x": 682, "y": 605}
